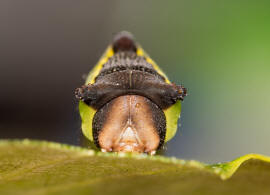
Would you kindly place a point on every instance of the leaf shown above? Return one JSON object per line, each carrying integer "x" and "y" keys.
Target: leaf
{"x": 40, "y": 167}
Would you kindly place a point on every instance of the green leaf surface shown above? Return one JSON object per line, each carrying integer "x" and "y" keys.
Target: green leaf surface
{"x": 39, "y": 167}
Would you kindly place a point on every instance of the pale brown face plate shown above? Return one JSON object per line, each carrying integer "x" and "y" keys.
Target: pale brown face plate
{"x": 129, "y": 123}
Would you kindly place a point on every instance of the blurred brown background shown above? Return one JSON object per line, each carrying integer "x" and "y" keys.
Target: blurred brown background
{"x": 218, "y": 50}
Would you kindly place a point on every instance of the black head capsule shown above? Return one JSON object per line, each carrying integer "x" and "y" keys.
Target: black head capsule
{"x": 132, "y": 101}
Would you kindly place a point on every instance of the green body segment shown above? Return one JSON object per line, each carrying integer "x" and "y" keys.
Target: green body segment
{"x": 87, "y": 113}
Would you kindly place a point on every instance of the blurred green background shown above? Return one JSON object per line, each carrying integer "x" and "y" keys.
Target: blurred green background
{"x": 219, "y": 50}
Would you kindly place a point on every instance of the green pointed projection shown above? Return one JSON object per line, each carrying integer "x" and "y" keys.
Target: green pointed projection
{"x": 39, "y": 167}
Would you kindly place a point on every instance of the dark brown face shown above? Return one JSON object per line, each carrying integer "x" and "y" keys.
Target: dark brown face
{"x": 129, "y": 123}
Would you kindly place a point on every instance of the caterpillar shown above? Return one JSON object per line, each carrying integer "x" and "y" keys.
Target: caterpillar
{"x": 127, "y": 103}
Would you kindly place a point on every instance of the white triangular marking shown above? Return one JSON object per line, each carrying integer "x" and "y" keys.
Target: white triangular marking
{"x": 128, "y": 134}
